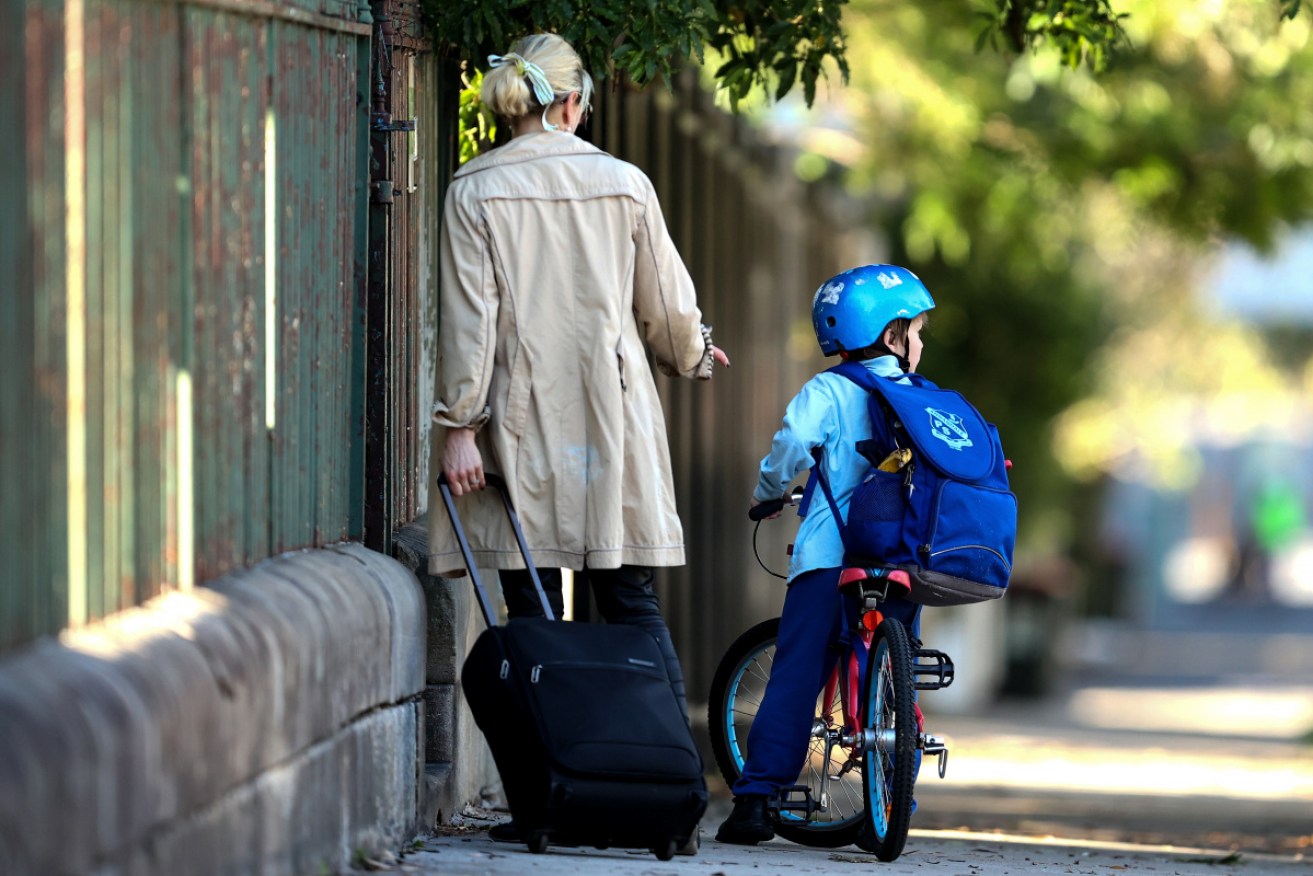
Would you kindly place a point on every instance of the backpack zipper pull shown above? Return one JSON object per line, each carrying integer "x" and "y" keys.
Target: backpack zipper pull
{"x": 535, "y": 673}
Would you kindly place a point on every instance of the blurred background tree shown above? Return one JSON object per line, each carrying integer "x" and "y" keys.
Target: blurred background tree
{"x": 1066, "y": 218}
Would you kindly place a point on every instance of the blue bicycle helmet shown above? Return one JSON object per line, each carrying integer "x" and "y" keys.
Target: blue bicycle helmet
{"x": 851, "y": 309}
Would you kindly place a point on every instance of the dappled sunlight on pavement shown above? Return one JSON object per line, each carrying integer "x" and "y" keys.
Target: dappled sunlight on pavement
{"x": 1284, "y": 712}
{"x": 1130, "y": 766}
{"x": 1100, "y": 763}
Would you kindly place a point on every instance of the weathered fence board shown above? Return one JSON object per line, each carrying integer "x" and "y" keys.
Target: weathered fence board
{"x": 185, "y": 243}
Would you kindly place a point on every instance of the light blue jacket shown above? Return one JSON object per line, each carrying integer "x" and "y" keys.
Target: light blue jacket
{"x": 830, "y": 411}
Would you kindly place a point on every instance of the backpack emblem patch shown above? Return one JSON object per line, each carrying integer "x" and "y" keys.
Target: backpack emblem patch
{"x": 948, "y": 428}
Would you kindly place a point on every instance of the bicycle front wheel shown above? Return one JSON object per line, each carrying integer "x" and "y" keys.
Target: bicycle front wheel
{"x": 889, "y": 768}
{"x": 736, "y": 693}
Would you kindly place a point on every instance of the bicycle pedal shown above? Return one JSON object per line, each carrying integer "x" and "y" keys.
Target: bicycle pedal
{"x": 935, "y": 745}
{"x": 848, "y": 767}
{"x": 939, "y": 670}
{"x": 787, "y": 802}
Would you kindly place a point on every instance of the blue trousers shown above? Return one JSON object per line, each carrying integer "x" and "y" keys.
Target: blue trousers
{"x": 814, "y": 617}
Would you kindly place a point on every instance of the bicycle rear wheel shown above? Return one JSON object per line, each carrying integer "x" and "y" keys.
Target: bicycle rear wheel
{"x": 736, "y": 693}
{"x": 889, "y": 769}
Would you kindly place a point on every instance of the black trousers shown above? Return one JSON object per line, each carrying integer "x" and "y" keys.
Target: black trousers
{"x": 624, "y": 596}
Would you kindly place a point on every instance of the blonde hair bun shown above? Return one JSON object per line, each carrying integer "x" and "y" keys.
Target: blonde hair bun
{"x": 507, "y": 91}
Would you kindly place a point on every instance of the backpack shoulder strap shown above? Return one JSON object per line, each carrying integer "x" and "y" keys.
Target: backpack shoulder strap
{"x": 857, "y": 373}
{"x": 882, "y": 414}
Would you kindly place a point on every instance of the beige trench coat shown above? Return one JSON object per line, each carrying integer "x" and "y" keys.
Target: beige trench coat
{"x": 556, "y": 266}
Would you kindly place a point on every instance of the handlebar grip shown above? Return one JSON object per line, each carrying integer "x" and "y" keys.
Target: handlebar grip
{"x": 765, "y": 509}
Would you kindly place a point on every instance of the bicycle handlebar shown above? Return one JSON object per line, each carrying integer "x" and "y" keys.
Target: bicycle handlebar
{"x": 766, "y": 509}
{"x": 774, "y": 506}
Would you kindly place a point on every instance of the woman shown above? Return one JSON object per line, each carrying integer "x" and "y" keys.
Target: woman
{"x": 556, "y": 266}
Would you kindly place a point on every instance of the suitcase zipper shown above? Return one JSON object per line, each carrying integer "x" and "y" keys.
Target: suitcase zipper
{"x": 505, "y": 669}
{"x": 631, "y": 664}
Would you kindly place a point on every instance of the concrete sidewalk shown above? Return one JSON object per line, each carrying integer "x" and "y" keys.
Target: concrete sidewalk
{"x": 1053, "y": 786}
{"x": 469, "y": 852}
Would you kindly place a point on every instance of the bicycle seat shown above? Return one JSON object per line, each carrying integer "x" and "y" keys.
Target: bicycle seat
{"x": 895, "y": 581}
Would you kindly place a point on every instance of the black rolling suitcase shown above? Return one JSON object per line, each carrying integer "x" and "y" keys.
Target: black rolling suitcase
{"x": 586, "y": 730}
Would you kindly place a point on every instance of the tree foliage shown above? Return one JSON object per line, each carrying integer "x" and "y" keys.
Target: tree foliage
{"x": 1080, "y": 30}
{"x": 1052, "y": 212}
{"x": 773, "y": 45}
{"x": 775, "y": 42}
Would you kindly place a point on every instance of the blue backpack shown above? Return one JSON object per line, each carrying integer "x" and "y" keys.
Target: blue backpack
{"x": 945, "y": 513}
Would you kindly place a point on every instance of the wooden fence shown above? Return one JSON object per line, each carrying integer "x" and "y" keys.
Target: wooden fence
{"x": 184, "y": 224}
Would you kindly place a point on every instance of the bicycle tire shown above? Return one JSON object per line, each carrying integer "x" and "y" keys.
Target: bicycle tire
{"x": 736, "y": 690}
{"x": 889, "y": 771}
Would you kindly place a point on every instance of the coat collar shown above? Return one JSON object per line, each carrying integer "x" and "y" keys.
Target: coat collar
{"x": 529, "y": 147}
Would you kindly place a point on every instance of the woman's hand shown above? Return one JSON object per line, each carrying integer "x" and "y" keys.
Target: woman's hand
{"x": 461, "y": 462}
{"x": 719, "y": 355}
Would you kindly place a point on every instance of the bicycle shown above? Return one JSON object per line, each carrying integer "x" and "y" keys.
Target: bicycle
{"x": 867, "y": 722}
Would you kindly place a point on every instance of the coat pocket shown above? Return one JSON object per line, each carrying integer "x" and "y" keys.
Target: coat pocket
{"x": 620, "y": 362}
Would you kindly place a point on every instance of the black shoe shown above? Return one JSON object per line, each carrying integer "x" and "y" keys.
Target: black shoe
{"x": 749, "y": 823}
{"x": 505, "y": 832}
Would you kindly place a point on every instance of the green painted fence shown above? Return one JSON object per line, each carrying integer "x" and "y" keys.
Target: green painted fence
{"x": 180, "y": 245}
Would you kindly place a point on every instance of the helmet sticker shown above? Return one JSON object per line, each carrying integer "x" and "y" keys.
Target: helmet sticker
{"x": 828, "y": 294}
{"x": 888, "y": 280}
{"x": 948, "y": 428}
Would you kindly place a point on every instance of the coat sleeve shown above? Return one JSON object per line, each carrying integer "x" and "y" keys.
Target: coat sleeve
{"x": 664, "y": 298}
{"x": 467, "y": 318}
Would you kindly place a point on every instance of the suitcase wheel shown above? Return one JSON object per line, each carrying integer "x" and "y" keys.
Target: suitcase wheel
{"x": 537, "y": 842}
{"x": 665, "y": 851}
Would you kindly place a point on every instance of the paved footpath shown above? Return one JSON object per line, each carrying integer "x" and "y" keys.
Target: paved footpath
{"x": 469, "y": 852}
{"x": 1055, "y": 790}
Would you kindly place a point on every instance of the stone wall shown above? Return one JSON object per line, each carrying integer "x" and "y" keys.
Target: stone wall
{"x": 269, "y": 723}
{"x": 459, "y": 767}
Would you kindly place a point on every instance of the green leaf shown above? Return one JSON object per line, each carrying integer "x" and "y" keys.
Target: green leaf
{"x": 788, "y": 73}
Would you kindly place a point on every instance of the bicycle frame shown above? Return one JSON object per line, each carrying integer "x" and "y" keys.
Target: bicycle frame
{"x": 847, "y": 677}
{"x": 868, "y": 707}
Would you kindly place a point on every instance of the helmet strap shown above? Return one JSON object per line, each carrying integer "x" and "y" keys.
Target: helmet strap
{"x": 903, "y": 362}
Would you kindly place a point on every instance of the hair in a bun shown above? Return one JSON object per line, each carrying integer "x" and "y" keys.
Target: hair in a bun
{"x": 508, "y": 91}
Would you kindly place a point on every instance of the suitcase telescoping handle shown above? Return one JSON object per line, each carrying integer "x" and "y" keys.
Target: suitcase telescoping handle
{"x": 486, "y": 606}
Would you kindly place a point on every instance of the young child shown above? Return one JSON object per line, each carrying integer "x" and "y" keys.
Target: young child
{"x": 872, "y": 314}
